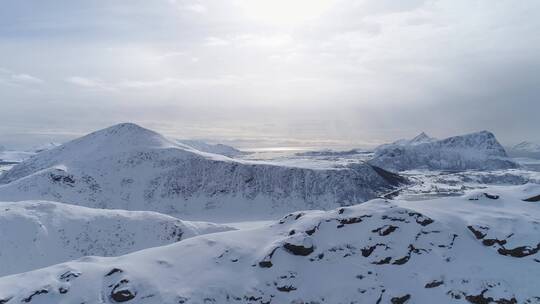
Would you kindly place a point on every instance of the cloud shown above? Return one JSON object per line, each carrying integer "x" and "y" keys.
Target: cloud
{"x": 263, "y": 40}
{"x": 376, "y": 70}
{"x": 187, "y": 5}
{"x": 88, "y": 83}
{"x": 25, "y": 78}
{"x": 215, "y": 41}
{"x": 10, "y": 78}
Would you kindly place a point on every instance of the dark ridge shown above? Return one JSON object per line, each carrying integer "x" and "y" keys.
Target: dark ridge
{"x": 533, "y": 199}
{"x": 392, "y": 178}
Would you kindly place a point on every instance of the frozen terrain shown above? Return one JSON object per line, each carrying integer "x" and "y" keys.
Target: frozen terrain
{"x": 220, "y": 149}
{"x": 525, "y": 149}
{"x": 132, "y": 168}
{"x": 36, "y": 234}
{"x": 479, "y": 151}
{"x": 479, "y": 248}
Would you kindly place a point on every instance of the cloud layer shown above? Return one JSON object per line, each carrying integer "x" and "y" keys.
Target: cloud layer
{"x": 344, "y": 71}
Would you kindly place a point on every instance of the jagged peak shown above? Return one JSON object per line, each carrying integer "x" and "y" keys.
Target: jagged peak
{"x": 421, "y": 138}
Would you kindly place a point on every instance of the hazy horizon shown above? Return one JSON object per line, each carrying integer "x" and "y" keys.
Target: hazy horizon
{"x": 324, "y": 73}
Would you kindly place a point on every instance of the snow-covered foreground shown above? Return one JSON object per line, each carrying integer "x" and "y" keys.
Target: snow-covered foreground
{"x": 479, "y": 248}
{"x": 36, "y": 234}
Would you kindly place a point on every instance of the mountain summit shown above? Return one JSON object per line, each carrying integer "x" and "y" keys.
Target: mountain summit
{"x": 129, "y": 167}
{"x": 479, "y": 150}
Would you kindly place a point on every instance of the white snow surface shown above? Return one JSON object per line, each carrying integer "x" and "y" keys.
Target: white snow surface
{"x": 220, "y": 149}
{"x": 421, "y": 138}
{"x": 479, "y": 151}
{"x": 35, "y": 234}
{"x": 132, "y": 168}
{"x": 11, "y": 156}
{"x": 479, "y": 248}
{"x": 527, "y": 146}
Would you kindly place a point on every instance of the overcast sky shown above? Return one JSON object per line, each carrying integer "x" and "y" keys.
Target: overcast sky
{"x": 343, "y": 72}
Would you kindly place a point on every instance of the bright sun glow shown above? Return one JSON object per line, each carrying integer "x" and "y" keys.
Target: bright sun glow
{"x": 284, "y": 12}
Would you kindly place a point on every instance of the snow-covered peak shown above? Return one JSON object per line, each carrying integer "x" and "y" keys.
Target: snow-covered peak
{"x": 417, "y": 140}
{"x": 122, "y": 136}
{"x": 483, "y": 140}
{"x": 129, "y": 167}
{"x": 527, "y": 146}
{"x": 220, "y": 149}
{"x": 421, "y": 138}
{"x": 479, "y": 150}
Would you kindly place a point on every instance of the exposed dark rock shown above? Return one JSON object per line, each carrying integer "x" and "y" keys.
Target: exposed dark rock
{"x": 400, "y": 300}
{"x": 286, "y": 288}
{"x": 123, "y": 295}
{"x": 37, "y": 292}
{"x": 383, "y": 261}
{"x": 434, "y": 284}
{"x": 312, "y": 231}
{"x": 491, "y": 242}
{"x": 120, "y": 293}
{"x": 113, "y": 271}
{"x": 5, "y": 300}
{"x": 63, "y": 290}
{"x": 491, "y": 196}
{"x": 385, "y": 230}
{"x": 265, "y": 264}
{"x": 367, "y": 251}
{"x": 298, "y": 249}
{"x": 402, "y": 260}
{"x": 481, "y": 299}
{"x": 533, "y": 199}
{"x": 421, "y": 219}
{"x": 487, "y": 195}
{"x": 351, "y": 220}
{"x": 477, "y": 233}
{"x": 69, "y": 275}
{"x": 267, "y": 261}
{"x": 519, "y": 252}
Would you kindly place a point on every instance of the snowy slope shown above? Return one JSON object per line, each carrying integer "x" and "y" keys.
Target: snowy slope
{"x": 45, "y": 147}
{"x": 220, "y": 149}
{"x": 132, "y": 168}
{"x": 480, "y": 248}
{"x": 421, "y": 138}
{"x": 36, "y": 234}
{"x": 479, "y": 150}
{"x": 10, "y": 156}
{"x": 527, "y": 146}
{"x": 525, "y": 149}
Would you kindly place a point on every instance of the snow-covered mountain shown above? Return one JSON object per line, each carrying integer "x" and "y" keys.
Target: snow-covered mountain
{"x": 35, "y": 234}
{"x": 525, "y": 149}
{"x": 132, "y": 168}
{"x": 421, "y": 138}
{"x": 45, "y": 147}
{"x": 11, "y": 156}
{"x": 479, "y": 248}
{"x": 527, "y": 146}
{"x": 220, "y": 149}
{"x": 329, "y": 153}
{"x": 479, "y": 150}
